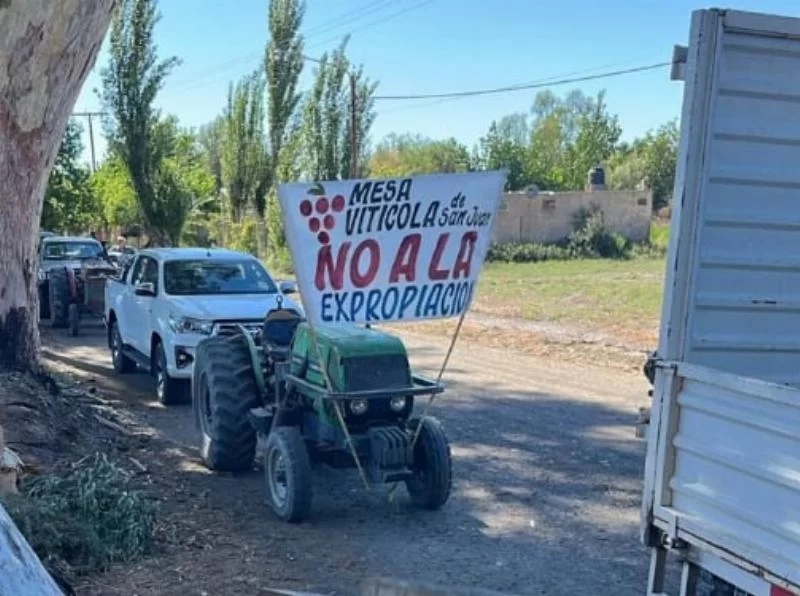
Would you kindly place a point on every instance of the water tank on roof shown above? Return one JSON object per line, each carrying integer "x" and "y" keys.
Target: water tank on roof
{"x": 597, "y": 178}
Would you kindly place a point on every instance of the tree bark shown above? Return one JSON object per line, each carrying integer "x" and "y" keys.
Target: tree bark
{"x": 47, "y": 49}
{"x": 22, "y": 571}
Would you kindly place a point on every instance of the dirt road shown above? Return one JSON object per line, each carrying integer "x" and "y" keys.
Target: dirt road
{"x": 546, "y": 493}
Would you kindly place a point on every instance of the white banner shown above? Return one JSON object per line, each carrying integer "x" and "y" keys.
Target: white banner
{"x": 371, "y": 251}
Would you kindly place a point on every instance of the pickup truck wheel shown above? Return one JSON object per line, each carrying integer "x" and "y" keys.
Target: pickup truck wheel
{"x": 169, "y": 391}
{"x": 58, "y": 290}
{"x": 122, "y": 364}
{"x": 225, "y": 391}
{"x": 432, "y": 475}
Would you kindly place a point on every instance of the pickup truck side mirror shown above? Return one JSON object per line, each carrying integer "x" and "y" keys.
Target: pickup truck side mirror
{"x": 288, "y": 287}
{"x": 144, "y": 289}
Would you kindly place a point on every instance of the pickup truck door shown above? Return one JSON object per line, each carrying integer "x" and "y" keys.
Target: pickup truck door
{"x": 137, "y": 308}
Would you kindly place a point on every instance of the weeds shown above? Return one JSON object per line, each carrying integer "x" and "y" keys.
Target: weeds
{"x": 85, "y": 520}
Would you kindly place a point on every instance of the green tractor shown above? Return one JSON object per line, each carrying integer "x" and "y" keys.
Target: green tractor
{"x": 355, "y": 411}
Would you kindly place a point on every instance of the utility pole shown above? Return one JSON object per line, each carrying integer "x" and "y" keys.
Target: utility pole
{"x": 354, "y": 149}
{"x": 88, "y": 116}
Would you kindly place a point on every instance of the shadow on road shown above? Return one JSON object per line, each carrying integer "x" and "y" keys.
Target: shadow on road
{"x": 545, "y": 501}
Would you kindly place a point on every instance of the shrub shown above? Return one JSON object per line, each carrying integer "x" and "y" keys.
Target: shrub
{"x": 85, "y": 520}
{"x": 591, "y": 239}
{"x": 526, "y": 252}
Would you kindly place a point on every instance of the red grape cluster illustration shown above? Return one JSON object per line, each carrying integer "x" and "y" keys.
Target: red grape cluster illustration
{"x": 320, "y": 211}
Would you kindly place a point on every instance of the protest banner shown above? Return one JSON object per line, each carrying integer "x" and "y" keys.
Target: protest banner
{"x": 378, "y": 251}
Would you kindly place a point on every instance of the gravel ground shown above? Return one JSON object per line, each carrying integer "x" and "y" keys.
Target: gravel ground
{"x": 546, "y": 495}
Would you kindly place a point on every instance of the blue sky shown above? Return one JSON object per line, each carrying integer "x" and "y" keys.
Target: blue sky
{"x": 430, "y": 46}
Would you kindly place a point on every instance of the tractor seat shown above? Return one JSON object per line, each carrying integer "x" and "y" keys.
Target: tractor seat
{"x": 278, "y": 330}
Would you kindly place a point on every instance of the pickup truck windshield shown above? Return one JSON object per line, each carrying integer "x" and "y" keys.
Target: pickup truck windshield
{"x": 72, "y": 250}
{"x": 204, "y": 277}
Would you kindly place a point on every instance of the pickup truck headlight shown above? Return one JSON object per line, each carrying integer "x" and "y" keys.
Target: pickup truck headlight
{"x": 190, "y": 325}
{"x": 41, "y": 275}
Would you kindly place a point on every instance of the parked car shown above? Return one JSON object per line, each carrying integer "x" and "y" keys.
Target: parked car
{"x": 65, "y": 265}
{"x": 168, "y": 299}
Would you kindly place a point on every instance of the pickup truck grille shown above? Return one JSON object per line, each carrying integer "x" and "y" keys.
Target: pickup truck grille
{"x": 231, "y": 327}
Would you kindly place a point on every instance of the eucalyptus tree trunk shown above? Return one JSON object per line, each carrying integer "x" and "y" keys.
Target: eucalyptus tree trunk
{"x": 47, "y": 49}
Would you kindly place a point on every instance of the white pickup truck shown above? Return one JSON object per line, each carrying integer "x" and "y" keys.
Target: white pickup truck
{"x": 722, "y": 474}
{"x": 168, "y": 299}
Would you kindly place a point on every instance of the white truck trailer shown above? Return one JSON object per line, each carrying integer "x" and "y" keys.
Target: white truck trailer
{"x": 722, "y": 477}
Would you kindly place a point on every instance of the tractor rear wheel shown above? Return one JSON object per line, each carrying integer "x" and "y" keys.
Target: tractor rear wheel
{"x": 224, "y": 390}
{"x": 287, "y": 469}
{"x": 58, "y": 290}
{"x": 432, "y": 471}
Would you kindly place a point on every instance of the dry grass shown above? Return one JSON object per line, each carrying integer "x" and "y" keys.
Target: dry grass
{"x": 602, "y": 311}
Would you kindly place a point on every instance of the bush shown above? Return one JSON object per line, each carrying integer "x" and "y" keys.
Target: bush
{"x": 591, "y": 239}
{"x": 85, "y": 520}
{"x": 526, "y": 252}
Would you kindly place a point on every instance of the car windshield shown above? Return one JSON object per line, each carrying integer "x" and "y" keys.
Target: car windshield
{"x": 229, "y": 276}
{"x": 72, "y": 250}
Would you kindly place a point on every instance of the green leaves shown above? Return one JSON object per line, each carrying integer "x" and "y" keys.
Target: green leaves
{"x": 406, "y": 155}
{"x": 136, "y": 133}
{"x": 69, "y": 202}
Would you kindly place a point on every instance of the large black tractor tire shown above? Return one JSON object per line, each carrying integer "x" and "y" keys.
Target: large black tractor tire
{"x": 287, "y": 471}
{"x": 224, "y": 390}
{"x": 432, "y": 478}
{"x": 59, "y": 299}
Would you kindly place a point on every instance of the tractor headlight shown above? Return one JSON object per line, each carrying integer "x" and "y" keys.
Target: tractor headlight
{"x": 358, "y": 406}
{"x": 190, "y": 325}
{"x": 398, "y": 403}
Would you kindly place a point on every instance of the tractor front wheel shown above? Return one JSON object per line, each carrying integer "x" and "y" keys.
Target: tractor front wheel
{"x": 224, "y": 390}
{"x": 288, "y": 474}
{"x": 432, "y": 471}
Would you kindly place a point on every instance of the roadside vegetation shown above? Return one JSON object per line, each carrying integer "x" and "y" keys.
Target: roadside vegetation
{"x": 83, "y": 520}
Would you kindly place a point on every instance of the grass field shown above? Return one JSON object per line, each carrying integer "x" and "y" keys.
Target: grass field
{"x": 608, "y": 309}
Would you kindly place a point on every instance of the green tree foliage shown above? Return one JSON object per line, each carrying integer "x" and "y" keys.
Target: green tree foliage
{"x": 69, "y": 202}
{"x": 564, "y": 137}
{"x": 408, "y": 155}
{"x": 112, "y": 185}
{"x": 283, "y": 63}
{"x": 650, "y": 161}
{"x": 243, "y": 150}
{"x": 326, "y": 146}
{"x": 131, "y": 82}
{"x": 506, "y": 148}
{"x": 597, "y": 135}
{"x": 211, "y": 137}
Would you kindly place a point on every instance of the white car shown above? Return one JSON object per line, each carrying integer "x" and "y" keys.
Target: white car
{"x": 167, "y": 299}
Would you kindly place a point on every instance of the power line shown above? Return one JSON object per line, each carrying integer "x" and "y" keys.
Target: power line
{"x": 551, "y": 80}
{"x": 521, "y": 87}
{"x": 366, "y": 10}
{"x": 375, "y": 22}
